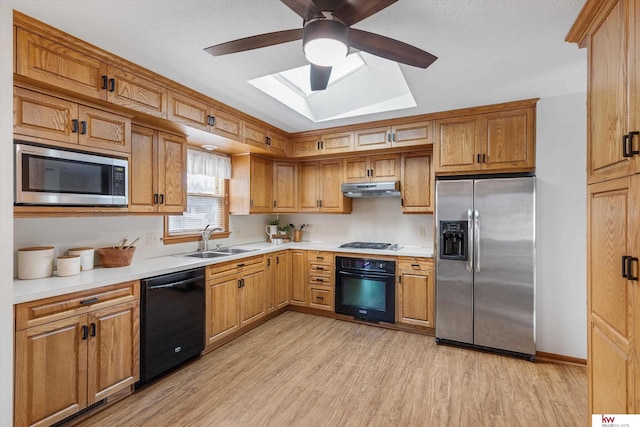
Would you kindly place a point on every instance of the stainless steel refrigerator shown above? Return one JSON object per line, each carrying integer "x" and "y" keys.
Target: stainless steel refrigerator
{"x": 485, "y": 263}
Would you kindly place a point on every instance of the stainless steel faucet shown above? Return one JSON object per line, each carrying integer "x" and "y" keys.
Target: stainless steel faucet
{"x": 206, "y": 233}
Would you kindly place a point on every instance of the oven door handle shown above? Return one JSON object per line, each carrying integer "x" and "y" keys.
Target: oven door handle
{"x": 365, "y": 275}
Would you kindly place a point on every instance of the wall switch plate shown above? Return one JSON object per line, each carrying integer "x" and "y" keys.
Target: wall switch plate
{"x": 152, "y": 239}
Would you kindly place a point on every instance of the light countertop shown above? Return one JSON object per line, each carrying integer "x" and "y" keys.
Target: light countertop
{"x": 29, "y": 290}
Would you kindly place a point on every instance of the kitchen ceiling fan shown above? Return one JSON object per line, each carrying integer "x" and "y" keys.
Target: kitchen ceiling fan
{"x": 327, "y": 36}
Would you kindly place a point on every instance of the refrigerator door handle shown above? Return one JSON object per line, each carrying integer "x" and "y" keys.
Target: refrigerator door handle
{"x": 476, "y": 252}
{"x": 470, "y": 234}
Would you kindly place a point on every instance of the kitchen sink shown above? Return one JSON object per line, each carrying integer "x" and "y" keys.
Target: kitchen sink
{"x": 207, "y": 254}
{"x": 234, "y": 251}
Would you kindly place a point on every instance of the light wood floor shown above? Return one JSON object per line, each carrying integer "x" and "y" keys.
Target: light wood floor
{"x": 305, "y": 370}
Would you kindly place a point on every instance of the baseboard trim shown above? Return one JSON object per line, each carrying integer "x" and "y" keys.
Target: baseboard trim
{"x": 559, "y": 358}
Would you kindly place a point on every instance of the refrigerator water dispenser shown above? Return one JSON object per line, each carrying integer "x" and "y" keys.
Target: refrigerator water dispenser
{"x": 453, "y": 240}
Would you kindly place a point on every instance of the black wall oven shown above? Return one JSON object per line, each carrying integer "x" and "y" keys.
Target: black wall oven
{"x": 365, "y": 288}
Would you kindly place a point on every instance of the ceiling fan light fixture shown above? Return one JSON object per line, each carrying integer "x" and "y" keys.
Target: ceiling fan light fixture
{"x": 325, "y": 42}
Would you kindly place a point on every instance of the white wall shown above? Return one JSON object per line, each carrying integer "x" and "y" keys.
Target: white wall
{"x": 561, "y": 225}
{"x": 6, "y": 216}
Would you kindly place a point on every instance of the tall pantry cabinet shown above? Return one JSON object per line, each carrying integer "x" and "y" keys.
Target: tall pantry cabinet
{"x": 610, "y": 30}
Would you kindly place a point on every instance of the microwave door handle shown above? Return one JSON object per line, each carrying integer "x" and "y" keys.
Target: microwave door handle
{"x": 470, "y": 239}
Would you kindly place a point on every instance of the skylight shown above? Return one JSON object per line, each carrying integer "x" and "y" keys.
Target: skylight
{"x": 361, "y": 84}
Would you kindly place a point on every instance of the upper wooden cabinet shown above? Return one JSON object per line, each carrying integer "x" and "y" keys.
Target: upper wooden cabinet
{"x": 198, "y": 114}
{"x": 317, "y": 145}
{"x": 158, "y": 172}
{"x": 417, "y": 182}
{"x": 319, "y": 187}
{"x": 43, "y": 116}
{"x": 372, "y": 168}
{"x": 135, "y": 92}
{"x": 271, "y": 142}
{"x": 285, "y": 187}
{"x": 251, "y": 185}
{"x": 501, "y": 141}
{"x": 404, "y": 135}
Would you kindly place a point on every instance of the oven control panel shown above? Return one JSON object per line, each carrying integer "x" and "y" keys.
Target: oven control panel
{"x": 366, "y": 264}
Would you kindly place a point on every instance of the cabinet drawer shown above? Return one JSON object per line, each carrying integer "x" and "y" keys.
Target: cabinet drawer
{"x": 317, "y": 279}
{"x": 316, "y": 257}
{"x": 317, "y": 268}
{"x": 46, "y": 310}
{"x": 414, "y": 263}
{"x": 321, "y": 297}
{"x": 232, "y": 267}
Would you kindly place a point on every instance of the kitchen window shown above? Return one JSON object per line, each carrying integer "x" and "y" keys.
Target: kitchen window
{"x": 207, "y": 198}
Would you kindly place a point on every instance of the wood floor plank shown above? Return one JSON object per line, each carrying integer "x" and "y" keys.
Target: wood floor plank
{"x": 304, "y": 370}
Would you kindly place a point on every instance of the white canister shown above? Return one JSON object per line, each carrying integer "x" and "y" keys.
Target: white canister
{"x": 35, "y": 262}
{"x": 86, "y": 257}
{"x": 68, "y": 265}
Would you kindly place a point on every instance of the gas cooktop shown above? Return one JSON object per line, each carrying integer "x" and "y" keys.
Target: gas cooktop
{"x": 371, "y": 245}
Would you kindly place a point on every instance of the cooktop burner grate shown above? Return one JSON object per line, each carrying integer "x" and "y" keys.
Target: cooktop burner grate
{"x": 366, "y": 245}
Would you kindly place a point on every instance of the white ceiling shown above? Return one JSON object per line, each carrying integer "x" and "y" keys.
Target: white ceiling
{"x": 489, "y": 51}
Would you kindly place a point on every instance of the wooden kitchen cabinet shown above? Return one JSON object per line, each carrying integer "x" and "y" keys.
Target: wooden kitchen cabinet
{"x": 372, "y": 168}
{"x": 251, "y": 185}
{"x": 298, "y": 277}
{"x": 271, "y": 142}
{"x": 401, "y": 135}
{"x": 285, "y": 187}
{"x": 279, "y": 277}
{"x": 417, "y": 182}
{"x": 320, "y": 279}
{"x": 130, "y": 90}
{"x": 157, "y": 172}
{"x": 43, "y": 116}
{"x": 324, "y": 144}
{"x": 319, "y": 187}
{"x": 198, "y": 114}
{"x": 415, "y": 292}
{"x": 236, "y": 295}
{"x": 501, "y": 141}
{"x": 74, "y": 350}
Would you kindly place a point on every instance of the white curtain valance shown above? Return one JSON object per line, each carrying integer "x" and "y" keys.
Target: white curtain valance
{"x": 203, "y": 167}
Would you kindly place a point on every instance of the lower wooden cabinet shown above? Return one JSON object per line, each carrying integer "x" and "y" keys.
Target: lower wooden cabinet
{"x": 279, "y": 278}
{"x": 320, "y": 279}
{"x": 415, "y": 292}
{"x": 74, "y": 350}
{"x": 236, "y": 295}
{"x": 298, "y": 277}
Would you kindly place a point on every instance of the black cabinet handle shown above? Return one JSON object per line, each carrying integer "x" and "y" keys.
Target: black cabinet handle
{"x": 320, "y": 298}
{"x": 278, "y": 259}
{"x": 268, "y": 262}
{"x": 268, "y": 140}
{"x": 415, "y": 265}
{"x": 155, "y": 199}
{"x": 484, "y": 158}
{"x": 104, "y": 82}
{"x": 74, "y": 126}
{"x": 211, "y": 120}
{"x": 627, "y": 144}
{"x": 402, "y": 202}
{"x": 240, "y": 265}
{"x": 112, "y": 85}
{"x": 85, "y": 332}
{"x": 251, "y": 203}
{"x": 239, "y": 283}
{"x": 93, "y": 329}
{"x": 162, "y": 199}
{"x": 274, "y": 203}
{"x": 83, "y": 130}
{"x": 320, "y": 203}
{"x": 388, "y": 137}
{"x": 89, "y": 301}
{"x": 478, "y": 157}
{"x": 627, "y": 267}
{"x": 394, "y": 137}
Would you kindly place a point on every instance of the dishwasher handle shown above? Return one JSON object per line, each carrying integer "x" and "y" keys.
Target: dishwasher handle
{"x": 176, "y": 284}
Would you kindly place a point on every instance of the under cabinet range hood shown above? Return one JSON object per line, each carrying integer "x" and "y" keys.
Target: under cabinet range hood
{"x": 371, "y": 189}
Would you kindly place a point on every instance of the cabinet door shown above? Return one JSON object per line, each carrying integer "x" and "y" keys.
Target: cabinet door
{"x": 385, "y": 168}
{"x": 412, "y": 134}
{"x": 613, "y": 209}
{"x": 43, "y": 116}
{"x": 285, "y": 187}
{"x": 608, "y": 101}
{"x": 271, "y": 274}
{"x": 372, "y": 139}
{"x": 254, "y": 294}
{"x": 417, "y": 183}
{"x": 227, "y": 125}
{"x": 298, "y": 277}
{"x": 53, "y": 63}
{"x": 50, "y": 371}
{"x": 255, "y": 135}
{"x": 188, "y": 111}
{"x": 457, "y": 145}
{"x": 143, "y": 171}
{"x": 100, "y": 129}
{"x": 306, "y": 146}
{"x": 340, "y": 142}
{"x": 321, "y": 297}
{"x": 357, "y": 169}
{"x": 222, "y": 307}
{"x": 261, "y": 187}
{"x": 416, "y": 298}
{"x": 114, "y": 350}
{"x": 331, "y": 197}
{"x": 132, "y": 91}
{"x": 283, "y": 284}
{"x": 171, "y": 169}
{"x": 508, "y": 141}
{"x": 308, "y": 195}
{"x": 277, "y": 144}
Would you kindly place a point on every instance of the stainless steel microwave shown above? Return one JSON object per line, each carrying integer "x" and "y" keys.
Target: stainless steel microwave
{"x": 56, "y": 177}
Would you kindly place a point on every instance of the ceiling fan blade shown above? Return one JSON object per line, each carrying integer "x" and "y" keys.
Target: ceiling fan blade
{"x": 306, "y": 9}
{"x": 319, "y": 77}
{"x": 255, "y": 42}
{"x": 390, "y": 49}
{"x": 353, "y": 11}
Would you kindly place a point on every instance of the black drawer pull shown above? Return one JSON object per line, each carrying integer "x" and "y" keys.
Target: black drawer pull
{"x": 85, "y": 332}
{"x": 320, "y": 298}
{"x": 93, "y": 329}
{"x": 89, "y": 301}
{"x": 415, "y": 265}
{"x": 240, "y": 265}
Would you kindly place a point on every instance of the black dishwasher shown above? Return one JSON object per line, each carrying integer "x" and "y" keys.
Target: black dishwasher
{"x": 172, "y": 321}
